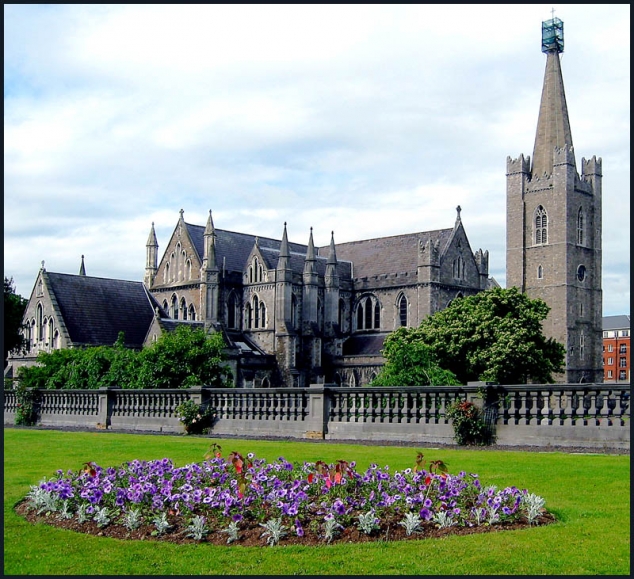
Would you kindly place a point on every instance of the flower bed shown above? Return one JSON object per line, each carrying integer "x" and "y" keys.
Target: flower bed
{"x": 249, "y": 501}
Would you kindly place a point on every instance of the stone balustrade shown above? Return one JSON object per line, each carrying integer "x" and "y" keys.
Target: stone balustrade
{"x": 589, "y": 415}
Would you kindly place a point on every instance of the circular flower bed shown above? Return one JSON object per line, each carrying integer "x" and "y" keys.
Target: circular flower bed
{"x": 249, "y": 501}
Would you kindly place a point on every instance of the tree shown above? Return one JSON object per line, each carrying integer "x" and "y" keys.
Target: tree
{"x": 410, "y": 362}
{"x": 183, "y": 358}
{"x": 495, "y": 336}
{"x": 14, "y": 306}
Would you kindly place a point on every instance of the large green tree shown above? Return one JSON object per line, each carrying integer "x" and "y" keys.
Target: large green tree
{"x": 410, "y": 362}
{"x": 14, "y": 306}
{"x": 494, "y": 336}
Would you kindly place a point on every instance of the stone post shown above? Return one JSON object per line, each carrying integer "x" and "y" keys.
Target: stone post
{"x": 318, "y": 411}
{"x": 103, "y": 418}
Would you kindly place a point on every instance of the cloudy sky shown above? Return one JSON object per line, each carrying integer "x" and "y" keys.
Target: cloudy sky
{"x": 369, "y": 120}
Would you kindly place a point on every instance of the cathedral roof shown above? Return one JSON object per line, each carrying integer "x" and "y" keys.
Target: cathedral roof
{"x": 396, "y": 254}
{"x": 96, "y": 309}
{"x": 553, "y": 125}
{"x": 364, "y": 345}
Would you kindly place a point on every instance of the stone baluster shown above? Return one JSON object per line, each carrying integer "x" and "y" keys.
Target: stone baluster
{"x": 606, "y": 411}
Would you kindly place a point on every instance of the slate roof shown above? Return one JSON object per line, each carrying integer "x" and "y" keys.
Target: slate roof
{"x": 364, "y": 345}
{"x": 396, "y": 254}
{"x": 616, "y": 322}
{"x": 234, "y": 248}
{"x": 96, "y": 309}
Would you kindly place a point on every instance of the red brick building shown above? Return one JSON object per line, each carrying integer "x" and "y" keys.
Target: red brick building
{"x": 616, "y": 349}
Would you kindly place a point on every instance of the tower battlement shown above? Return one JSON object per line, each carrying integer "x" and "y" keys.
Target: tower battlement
{"x": 564, "y": 155}
{"x": 591, "y": 166}
{"x": 520, "y": 165}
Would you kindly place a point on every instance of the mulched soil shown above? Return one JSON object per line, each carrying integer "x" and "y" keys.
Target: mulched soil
{"x": 251, "y": 534}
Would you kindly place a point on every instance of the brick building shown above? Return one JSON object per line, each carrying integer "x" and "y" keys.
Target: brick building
{"x": 616, "y": 349}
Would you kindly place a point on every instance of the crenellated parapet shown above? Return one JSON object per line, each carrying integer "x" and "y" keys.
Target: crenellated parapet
{"x": 520, "y": 165}
{"x": 591, "y": 167}
{"x": 564, "y": 155}
{"x": 482, "y": 261}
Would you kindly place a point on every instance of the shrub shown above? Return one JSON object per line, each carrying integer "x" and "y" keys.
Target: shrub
{"x": 25, "y": 411}
{"x": 468, "y": 424}
{"x": 195, "y": 418}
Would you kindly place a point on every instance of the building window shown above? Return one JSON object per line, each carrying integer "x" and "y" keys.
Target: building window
{"x": 192, "y": 313}
{"x": 166, "y": 273}
{"x": 580, "y": 224}
{"x": 541, "y": 226}
{"x": 174, "y": 308}
{"x": 402, "y": 310}
{"x": 256, "y": 311}
{"x": 622, "y": 349}
{"x": 183, "y": 309}
{"x": 293, "y": 311}
{"x": 56, "y": 340}
{"x": 342, "y": 310}
{"x": 248, "y": 316}
{"x": 605, "y": 334}
{"x": 609, "y": 373}
{"x": 263, "y": 314}
{"x": 540, "y": 272}
{"x": 40, "y": 323}
{"x": 622, "y": 363}
{"x": 581, "y": 272}
{"x": 581, "y": 310}
{"x": 610, "y": 361}
{"x": 622, "y": 375}
{"x": 459, "y": 268}
{"x": 625, "y": 333}
{"x": 610, "y": 348}
{"x": 188, "y": 269}
{"x": 368, "y": 314}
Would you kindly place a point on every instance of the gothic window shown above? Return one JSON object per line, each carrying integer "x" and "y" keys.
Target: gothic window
{"x": 256, "y": 311}
{"x": 541, "y": 226}
{"x": 188, "y": 269}
{"x": 248, "y": 316}
{"x": 166, "y": 273}
{"x": 293, "y": 311}
{"x": 402, "y": 310}
{"x": 581, "y": 310}
{"x": 192, "y": 312}
{"x": 33, "y": 334}
{"x": 40, "y": 323}
{"x": 56, "y": 340}
{"x": 368, "y": 314}
{"x": 49, "y": 332}
{"x": 174, "y": 308}
{"x": 232, "y": 319}
{"x": 183, "y": 309}
{"x": 177, "y": 272}
{"x": 540, "y": 272}
{"x": 459, "y": 268}
{"x": 165, "y": 306}
{"x": 580, "y": 227}
{"x": 263, "y": 314}
{"x": 250, "y": 274}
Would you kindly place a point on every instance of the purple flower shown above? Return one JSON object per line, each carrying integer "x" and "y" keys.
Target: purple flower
{"x": 425, "y": 514}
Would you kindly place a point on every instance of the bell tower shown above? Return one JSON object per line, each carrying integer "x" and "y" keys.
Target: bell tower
{"x": 553, "y": 226}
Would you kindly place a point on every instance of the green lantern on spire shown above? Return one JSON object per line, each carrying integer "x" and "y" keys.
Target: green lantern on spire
{"x": 553, "y": 35}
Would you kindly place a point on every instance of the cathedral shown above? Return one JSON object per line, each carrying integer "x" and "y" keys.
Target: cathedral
{"x": 295, "y": 314}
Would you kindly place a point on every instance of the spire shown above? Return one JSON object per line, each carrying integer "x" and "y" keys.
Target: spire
{"x": 309, "y": 264}
{"x": 82, "y": 268}
{"x": 151, "y": 240}
{"x": 553, "y": 125}
{"x": 332, "y": 254}
{"x": 209, "y": 257}
{"x": 284, "y": 262}
{"x": 310, "y": 252}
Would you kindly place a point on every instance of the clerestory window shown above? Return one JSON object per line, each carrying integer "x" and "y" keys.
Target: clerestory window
{"x": 541, "y": 226}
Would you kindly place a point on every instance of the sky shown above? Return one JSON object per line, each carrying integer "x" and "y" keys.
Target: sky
{"x": 366, "y": 120}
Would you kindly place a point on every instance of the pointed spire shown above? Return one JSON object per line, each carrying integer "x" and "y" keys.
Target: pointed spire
{"x": 209, "y": 228}
{"x": 151, "y": 240}
{"x": 284, "y": 245}
{"x": 82, "y": 268}
{"x": 332, "y": 254}
{"x": 553, "y": 125}
{"x": 310, "y": 252}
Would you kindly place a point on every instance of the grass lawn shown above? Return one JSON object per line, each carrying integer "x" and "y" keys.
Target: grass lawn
{"x": 589, "y": 494}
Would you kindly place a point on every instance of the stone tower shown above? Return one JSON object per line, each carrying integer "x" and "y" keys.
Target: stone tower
{"x": 553, "y": 226}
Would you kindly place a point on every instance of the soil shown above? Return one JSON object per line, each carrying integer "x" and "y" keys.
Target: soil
{"x": 251, "y": 534}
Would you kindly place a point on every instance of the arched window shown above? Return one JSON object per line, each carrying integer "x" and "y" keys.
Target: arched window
{"x": 459, "y": 268}
{"x": 368, "y": 314}
{"x": 49, "y": 332}
{"x": 540, "y": 272}
{"x": 165, "y": 305}
{"x": 250, "y": 274}
{"x": 265, "y": 383}
{"x": 402, "y": 310}
{"x": 248, "y": 316}
{"x": 263, "y": 314}
{"x": 232, "y": 318}
{"x": 183, "y": 309}
{"x": 581, "y": 346}
{"x": 256, "y": 311}
{"x": 56, "y": 340}
{"x": 293, "y": 311}
{"x": 541, "y": 226}
{"x": 188, "y": 269}
{"x": 166, "y": 273}
{"x": 174, "y": 308}
{"x": 580, "y": 227}
{"x": 192, "y": 313}
{"x": 33, "y": 334}
{"x": 377, "y": 316}
{"x": 40, "y": 323}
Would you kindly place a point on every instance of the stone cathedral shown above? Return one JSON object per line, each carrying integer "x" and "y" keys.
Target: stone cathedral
{"x": 294, "y": 314}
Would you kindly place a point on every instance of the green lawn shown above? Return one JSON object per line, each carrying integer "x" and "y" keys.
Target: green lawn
{"x": 589, "y": 494}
